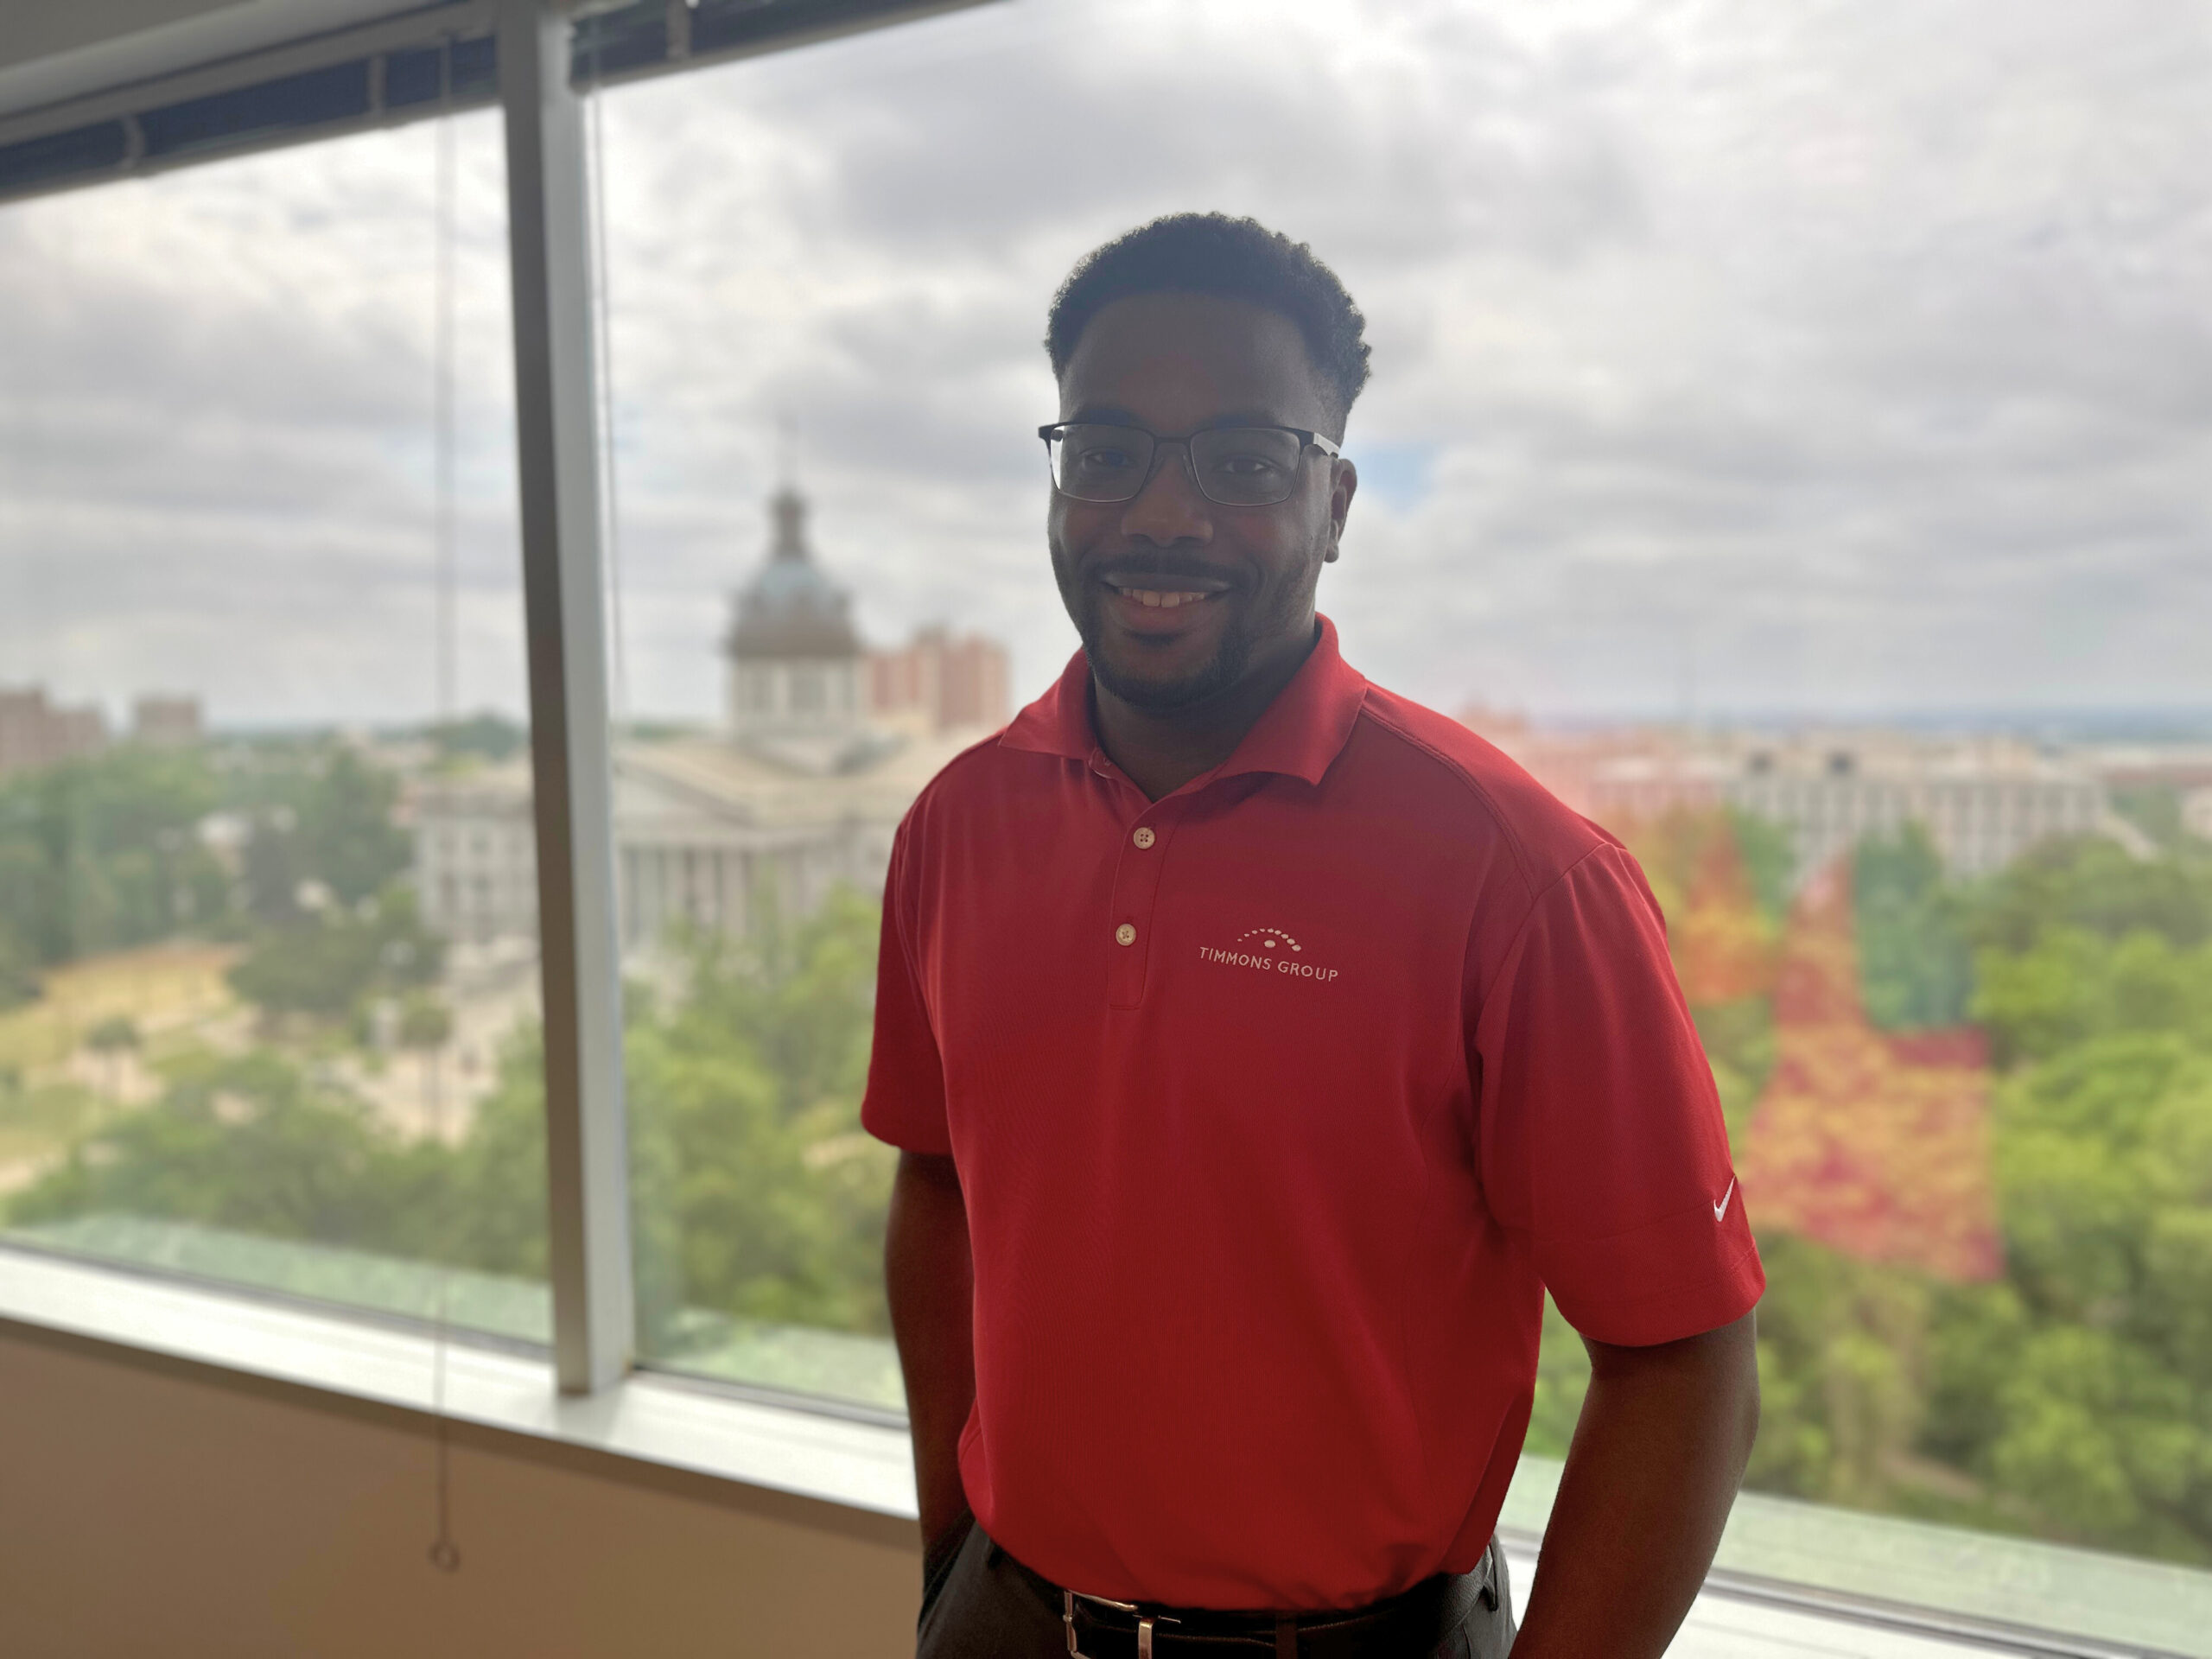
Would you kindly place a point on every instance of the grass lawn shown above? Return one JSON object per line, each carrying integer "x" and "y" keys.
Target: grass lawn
{"x": 33, "y": 1122}
{"x": 163, "y": 987}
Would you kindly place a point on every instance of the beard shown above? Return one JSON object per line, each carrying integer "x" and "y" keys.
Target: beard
{"x": 1155, "y": 694}
{"x": 1162, "y": 695}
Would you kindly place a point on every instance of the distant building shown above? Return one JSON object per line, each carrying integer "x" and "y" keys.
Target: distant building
{"x": 794, "y": 656}
{"x": 476, "y": 855}
{"x": 167, "y": 722}
{"x": 34, "y": 732}
{"x": 801, "y": 790}
{"x": 939, "y": 684}
{"x": 1983, "y": 802}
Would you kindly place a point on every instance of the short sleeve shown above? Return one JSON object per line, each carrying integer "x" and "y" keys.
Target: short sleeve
{"x": 1602, "y": 1140}
{"x": 905, "y": 1100}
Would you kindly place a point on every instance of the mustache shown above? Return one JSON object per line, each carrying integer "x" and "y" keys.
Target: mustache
{"x": 1132, "y": 571}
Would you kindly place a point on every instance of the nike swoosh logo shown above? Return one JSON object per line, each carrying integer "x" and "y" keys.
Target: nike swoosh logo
{"x": 1721, "y": 1208}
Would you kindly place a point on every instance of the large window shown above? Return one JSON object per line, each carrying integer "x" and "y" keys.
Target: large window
{"x": 1780, "y": 441}
{"x": 1786, "y": 441}
{"x": 263, "y": 1019}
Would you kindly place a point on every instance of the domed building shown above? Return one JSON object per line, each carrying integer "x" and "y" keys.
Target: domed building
{"x": 795, "y": 658}
{"x": 821, "y": 751}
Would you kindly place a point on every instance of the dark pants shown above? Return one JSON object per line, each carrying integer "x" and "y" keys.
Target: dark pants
{"x": 979, "y": 1602}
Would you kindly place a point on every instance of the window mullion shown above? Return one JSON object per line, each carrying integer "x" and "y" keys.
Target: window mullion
{"x": 557, "y": 437}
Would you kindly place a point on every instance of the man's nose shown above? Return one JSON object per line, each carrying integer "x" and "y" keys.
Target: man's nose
{"x": 1169, "y": 508}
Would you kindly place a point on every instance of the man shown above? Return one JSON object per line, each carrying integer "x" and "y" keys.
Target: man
{"x": 1259, "y": 1047}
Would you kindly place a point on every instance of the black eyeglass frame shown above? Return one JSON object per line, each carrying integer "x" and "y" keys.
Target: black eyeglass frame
{"x": 1306, "y": 440}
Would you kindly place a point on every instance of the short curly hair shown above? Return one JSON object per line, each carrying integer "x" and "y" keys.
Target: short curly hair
{"x": 1231, "y": 258}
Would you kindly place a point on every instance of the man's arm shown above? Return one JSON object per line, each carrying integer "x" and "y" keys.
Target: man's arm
{"x": 1658, "y": 1453}
{"x": 931, "y": 1280}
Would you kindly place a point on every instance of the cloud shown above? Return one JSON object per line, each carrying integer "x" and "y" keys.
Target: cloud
{"x": 1836, "y": 357}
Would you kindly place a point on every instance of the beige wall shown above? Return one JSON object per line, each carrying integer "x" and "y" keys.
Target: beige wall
{"x": 147, "y": 1508}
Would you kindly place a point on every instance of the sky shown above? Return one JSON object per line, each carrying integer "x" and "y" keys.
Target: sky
{"x": 1832, "y": 360}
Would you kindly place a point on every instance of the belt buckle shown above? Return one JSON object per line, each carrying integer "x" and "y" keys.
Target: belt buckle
{"x": 1145, "y": 1621}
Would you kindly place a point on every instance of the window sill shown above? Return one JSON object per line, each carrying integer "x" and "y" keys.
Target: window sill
{"x": 1790, "y": 1576}
{"x": 855, "y": 1477}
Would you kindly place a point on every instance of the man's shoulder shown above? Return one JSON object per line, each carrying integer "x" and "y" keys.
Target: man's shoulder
{"x": 1457, "y": 772}
{"x": 984, "y": 772}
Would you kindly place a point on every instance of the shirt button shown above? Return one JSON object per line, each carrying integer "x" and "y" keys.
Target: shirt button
{"x": 1144, "y": 836}
{"x": 1125, "y": 934}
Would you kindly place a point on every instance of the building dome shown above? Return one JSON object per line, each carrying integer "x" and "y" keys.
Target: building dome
{"x": 791, "y": 610}
{"x": 795, "y": 658}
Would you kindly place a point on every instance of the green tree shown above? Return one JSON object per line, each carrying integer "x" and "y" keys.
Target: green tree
{"x": 270, "y": 866}
{"x": 321, "y": 811}
{"x": 20, "y": 980}
{"x": 2097, "y": 886}
{"x": 103, "y": 852}
{"x": 2075, "y": 1391}
{"x": 758, "y": 1193}
{"x": 2071, "y": 984}
{"x": 325, "y": 963}
{"x": 485, "y": 736}
{"x": 1769, "y": 859}
{"x": 111, "y": 1038}
{"x": 249, "y": 1143}
{"x": 1915, "y": 968}
{"x": 255, "y": 1143}
{"x": 345, "y": 835}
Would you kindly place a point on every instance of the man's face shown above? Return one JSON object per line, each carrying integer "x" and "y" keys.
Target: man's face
{"x": 1221, "y": 587}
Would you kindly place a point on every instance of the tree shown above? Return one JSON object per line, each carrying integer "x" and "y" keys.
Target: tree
{"x": 1915, "y": 968}
{"x": 20, "y": 980}
{"x": 320, "y": 812}
{"x": 248, "y": 1143}
{"x": 345, "y": 835}
{"x": 757, "y": 1191}
{"x": 2095, "y": 885}
{"x": 484, "y": 736}
{"x": 2076, "y": 1388}
{"x": 103, "y": 852}
{"x": 113, "y": 1038}
{"x": 325, "y": 963}
{"x": 270, "y": 868}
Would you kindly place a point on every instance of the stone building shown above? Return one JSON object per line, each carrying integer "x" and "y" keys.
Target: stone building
{"x": 799, "y": 791}
{"x": 1983, "y": 801}
{"x": 795, "y": 658}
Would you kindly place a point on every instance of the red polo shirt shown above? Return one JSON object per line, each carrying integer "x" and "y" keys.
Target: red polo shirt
{"x": 1277, "y": 1102}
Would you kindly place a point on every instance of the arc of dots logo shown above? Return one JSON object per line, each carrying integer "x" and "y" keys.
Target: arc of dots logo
{"x": 1270, "y": 938}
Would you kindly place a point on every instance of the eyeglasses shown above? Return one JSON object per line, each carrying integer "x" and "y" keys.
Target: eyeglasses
{"x": 1232, "y": 465}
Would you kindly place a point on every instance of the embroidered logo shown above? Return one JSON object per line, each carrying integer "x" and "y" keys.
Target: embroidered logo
{"x": 1269, "y": 950}
{"x": 1721, "y": 1208}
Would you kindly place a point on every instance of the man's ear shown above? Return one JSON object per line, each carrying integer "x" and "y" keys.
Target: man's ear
{"x": 1343, "y": 484}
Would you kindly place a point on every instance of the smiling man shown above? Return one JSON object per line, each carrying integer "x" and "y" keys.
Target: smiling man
{"x": 1261, "y": 1046}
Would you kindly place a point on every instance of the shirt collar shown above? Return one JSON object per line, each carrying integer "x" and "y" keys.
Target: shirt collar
{"x": 1298, "y": 734}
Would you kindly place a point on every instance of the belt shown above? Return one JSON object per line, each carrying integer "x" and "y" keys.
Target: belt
{"x": 1413, "y": 1621}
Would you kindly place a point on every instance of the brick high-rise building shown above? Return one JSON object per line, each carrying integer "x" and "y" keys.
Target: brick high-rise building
{"x": 946, "y": 683}
{"x": 167, "y": 722}
{"x": 34, "y": 732}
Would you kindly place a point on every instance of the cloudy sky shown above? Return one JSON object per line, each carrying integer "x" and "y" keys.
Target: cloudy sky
{"x": 1834, "y": 358}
